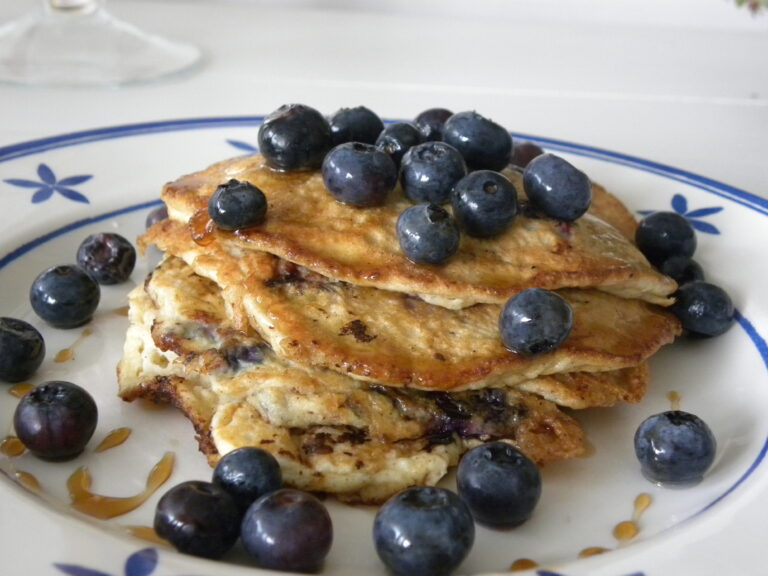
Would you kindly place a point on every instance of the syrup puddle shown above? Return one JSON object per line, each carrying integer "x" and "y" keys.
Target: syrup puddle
{"x": 113, "y": 439}
{"x": 146, "y": 533}
{"x": 20, "y": 390}
{"x": 122, "y": 311}
{"x": 68, "y": 354}
{"x": 629, "y": 529}
{"x": 522, "y": 564}
{"x": 27, "y": 481}
{"x": 12, "y": 446}
{"x": 105, "y": 507}
{"x": 674, "y": 400}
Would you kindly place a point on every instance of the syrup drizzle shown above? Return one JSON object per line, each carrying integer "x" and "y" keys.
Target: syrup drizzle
{"x": 20, "y": 390}
{"x": 592, "y": 551}
{"x": 522, "y": 564}
{"x": 629, "y": 529}
{"x": 105, "y": 507}
{"x": 113, "y": 439}
{"x": 28, "y": 481}
{"x": 68, "y": 354}
{"x": 674, "y": 400}
{"x": 146, "y": 533}
{"x": 202, "y": 228}
{"x": 122, "y": 311}
{"x": 12, "y": 446}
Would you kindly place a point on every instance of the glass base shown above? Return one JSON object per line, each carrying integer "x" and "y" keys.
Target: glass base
{"x": 76, "y": 48}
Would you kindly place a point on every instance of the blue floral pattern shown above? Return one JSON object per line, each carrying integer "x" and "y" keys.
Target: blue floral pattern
{"x": 50, "y": 184}
{"x": 680, "y": 205}
{"x": 244, "y": 146}
{"x": 141, "y": 563}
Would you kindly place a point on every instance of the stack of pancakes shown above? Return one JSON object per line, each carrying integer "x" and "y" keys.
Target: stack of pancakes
{"x": 313, "y": 337}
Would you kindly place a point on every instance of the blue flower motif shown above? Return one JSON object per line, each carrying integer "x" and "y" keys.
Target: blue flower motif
{"x": 141, "y": 563}
{"x": 244, "y": 146}
{"x": 48, "y": 184}
{"x": 680, "y": 205}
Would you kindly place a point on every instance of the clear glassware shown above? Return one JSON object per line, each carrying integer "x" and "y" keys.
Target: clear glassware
{"x": 79, "y": 43}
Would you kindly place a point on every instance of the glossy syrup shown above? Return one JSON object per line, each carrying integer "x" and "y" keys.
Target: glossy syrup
{"x": 11, "y": 446}
{"x": 68, "y": 354}
{"x": 113, "y": 439}
{"x": 202, "y": 228}
{"x": 105, "y": 507}
{"x": 20, "y": 390}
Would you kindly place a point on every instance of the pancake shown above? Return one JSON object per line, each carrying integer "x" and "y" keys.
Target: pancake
{"x": 397, "y": 340}
{"x": 330, "y": 433}
{"x": 306, "y": 226}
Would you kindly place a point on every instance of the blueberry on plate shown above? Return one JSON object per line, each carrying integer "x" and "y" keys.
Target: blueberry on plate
{"x": 156, "y": 215}
{"x": 535, "y": 321}
{"x": 55, "y": 420}
{"x": 663, "y": 235}
{"x": 359, "y": 174}
{"x": 108, "y": 257}
{"x": 674, "y": 447}
{"x": 359, "y": 124}
{"x": 430, "y": 123}
{"x": 237, "y": 204}
{"x": 65, "y": 296}
{"x": 198, "y": 518}
{"x": 484, "y": 203}
{"x": 682, "y": 269}
{"x": 703, "y": 309}
{"x": 427, "y": 233}
{"x": 500, "y": 485}
{"x": 287, "y": 530}
{"x": 248, "y": 473}
{"x": 22, "y": 349}
{"x": 429, "y": 171}
{"x": 524, "y": 152}
{"x": 294, "y": 137}
{"x": 397, "y": 138}
{"x": 484, "y": 144}
{"x": 557, "y": 188}
{"x": 423, "y": 530}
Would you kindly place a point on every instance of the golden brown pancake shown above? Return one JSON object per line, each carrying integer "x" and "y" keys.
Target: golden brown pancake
{"x": 306, "y": 226}
{"x": 395, "y": 339}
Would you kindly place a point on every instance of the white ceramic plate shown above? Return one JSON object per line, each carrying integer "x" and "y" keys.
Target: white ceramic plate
{"x": 57, "y": 190}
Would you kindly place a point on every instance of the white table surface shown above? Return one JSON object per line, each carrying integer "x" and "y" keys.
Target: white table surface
{"x": 682, "y": 82}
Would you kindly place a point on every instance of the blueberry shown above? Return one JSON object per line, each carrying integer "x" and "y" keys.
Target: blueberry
{"x": 682, "y": 270}
{"x": 524, "y": 152}
{"x": 108, "y": 257}
{"x": 358, "y": 124}
{"x": 423, "y": 530}
{"x": 674, "y": 447}
{"x": 198, "y": 518}
{"x": 156, "y": 215}
{"x": 427, "y": 234}
{"x": 484, "y": 203}
{"x": 236, "y": 205}
{"x": 248, "y": 473}
{"x": 662, "y": 235}
{"x": 430, "y": 123}
{"x": 429, "y": 171}
{"x": 703, "y": 309}
{"x": 22, "y": 349}
{"x": 557, "y": 188}
{"x": 484, "y": 144}
{"x": 397, "y": 138}
{"x": 287, "y": 530}
{"x": 535, "y": 321}
{"x": 65, "y": 296}
{"x": 294, "y": 137}
{"x": 55, "y": 420}
{"x": 359, "y": 174}
{"x": 500, "y": 485}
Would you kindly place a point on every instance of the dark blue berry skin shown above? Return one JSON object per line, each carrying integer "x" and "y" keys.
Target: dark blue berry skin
{"x": 430, "y": 123}
{"x": 65, "y": 296}
{"x": 22, "y": 349}
{"x": 524, "y": 152}
{"x": 703, "y": 309}
{"x": 396, "y": 139}
{"x": 359, "y": 124}
{"x": 674, "y": 447}
{"x": 427, "y": 233}
{"x": 663, "y": 235}
{"x": 484, "y": 203}
{"x": 423, "y": 530}
{"x": 156, "y": 215}
{"x": 294, "y": 137}
{"x": 287, "y": 530}
{"x": 682, "y": 270}
{"x": 198, "y": 518}
{"x": 236, "y": 205}
{"x": 108, "y": 257}
{"x": 359, "y": 174}
{"x": 484, "y": 144}
{"x": 557, "y": 188}
{"x": 55, "y": 420}
{"x": 535, "y": 321}
{"x": 248, "y": 473}
{"x": 500, "y": 485}
{"x": 429, "y": 171}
